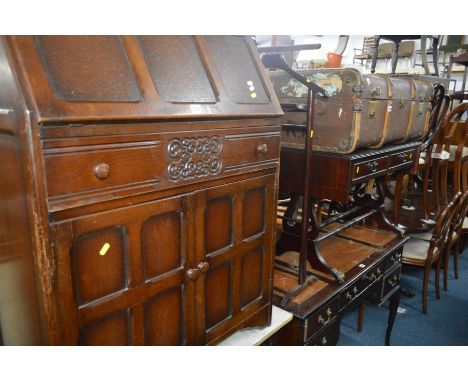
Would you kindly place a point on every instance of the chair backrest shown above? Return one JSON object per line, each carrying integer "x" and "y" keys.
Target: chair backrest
{"x": 406, "y": 49}
{"x": 459, "y": 215}
{"x": 385, "y": 50}
{"x": 367, "y": 44}
{"x": 442, "y": 227}
{"x": 439, "y": 105}
{"x": 456, "y": 124}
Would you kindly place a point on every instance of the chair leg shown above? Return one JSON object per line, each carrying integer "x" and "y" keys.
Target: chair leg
{"x": 427, "y": 272}
{"x": 426, "y": 192}
{"x": 435, "y": 187}
{"x": 455, "y": 258}
{"x": 437, "y": 277}
{"x": 446, "y": 264}
{"x": 397, "y": 202}
{"x": 362, "y": 307}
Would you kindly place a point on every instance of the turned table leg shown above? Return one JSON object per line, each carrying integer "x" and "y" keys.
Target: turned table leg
{"x": 394, "y": 303}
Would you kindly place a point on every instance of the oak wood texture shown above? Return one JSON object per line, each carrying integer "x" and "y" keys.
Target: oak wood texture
{"x": 140, "y": 204}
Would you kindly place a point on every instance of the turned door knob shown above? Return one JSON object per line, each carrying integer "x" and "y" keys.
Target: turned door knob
{"x": 193, "y": 274}
{"x": 262, "y": 148}
{"x": 102, "y": 171}
{"x": 203, "y": 267}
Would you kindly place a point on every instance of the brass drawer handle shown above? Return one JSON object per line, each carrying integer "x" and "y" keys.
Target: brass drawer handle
{"x": 324, "y": 340}
{"x": 262, "y": 148}
{"x": 373, "y": 166}
{"x": 102, "y": 171}
{"x": 348, "y": 296}
{"x": 203, "y": 267}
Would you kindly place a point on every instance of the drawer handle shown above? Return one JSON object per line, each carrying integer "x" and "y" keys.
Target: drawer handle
{"x": 324, "y": 340}
{"x": 102, "y": 171}
{"x": 372, "y": 166}
{"x": 262, "y": 148}
{"x": 322, "y": 320}
{"x": 193, "y": 274}
{"x": 203, "y": 267}
{"x": 348, "y": 296}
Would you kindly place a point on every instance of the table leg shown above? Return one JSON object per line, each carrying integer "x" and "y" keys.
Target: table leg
{"x": 394, "y": 303}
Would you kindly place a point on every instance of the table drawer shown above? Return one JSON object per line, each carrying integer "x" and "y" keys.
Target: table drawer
{"x": 401, "y": 159}
{"x": 369, "y": 168}
{"x": 322, "y": 318}
{"x": 392, "y": 259}
{"x": 328, "y": 336}
{"x": 390, "y": 283}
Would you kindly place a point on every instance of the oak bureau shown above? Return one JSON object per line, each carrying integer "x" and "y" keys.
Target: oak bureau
{"x": 138, "y": 189}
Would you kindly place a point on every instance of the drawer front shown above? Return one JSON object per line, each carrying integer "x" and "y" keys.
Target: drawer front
{"x": 322, "y": 318}
{"x": 403, "y": 159}
{"x": 350, "y": 293}
{"x": 392, "y": 259}
{"x": 390, "y": 283}
{"x": 328, "y": 336}
{"x": 82, "y": 169}
{"x": 101, "y": 165}
{"x": 368, "y": 168}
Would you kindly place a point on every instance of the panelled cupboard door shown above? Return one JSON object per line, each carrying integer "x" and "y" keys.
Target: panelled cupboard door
{"x": 233, "y": 240}
{"x": 121, "y": 276}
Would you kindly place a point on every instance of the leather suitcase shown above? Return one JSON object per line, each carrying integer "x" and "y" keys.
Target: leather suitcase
{"x": 351, "y": 117}
{"x": 362, "y": 111}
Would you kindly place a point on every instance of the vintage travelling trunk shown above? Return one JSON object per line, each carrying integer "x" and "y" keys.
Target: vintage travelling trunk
{"x": 138, "y": 189}
{"x": 361, "y": 111}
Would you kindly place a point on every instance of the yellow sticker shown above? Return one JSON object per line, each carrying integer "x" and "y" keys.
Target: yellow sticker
{"x": 357, "y": 170}
{"x": 253, "y": 95}
{"x": 104, "y": 249}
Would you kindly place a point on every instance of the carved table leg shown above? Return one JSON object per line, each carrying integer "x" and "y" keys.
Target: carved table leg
{"x": 394, "y": 303}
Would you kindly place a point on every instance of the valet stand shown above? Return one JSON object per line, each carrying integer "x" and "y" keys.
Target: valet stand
{"x": 309, "y": 230}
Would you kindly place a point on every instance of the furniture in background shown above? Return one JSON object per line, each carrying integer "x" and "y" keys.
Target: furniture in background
{"x": 137, "y": 194}
{"x": 452, "y": 44}
{"x": 424, "y": 253}
{"x": 406, "y": 50}
{"x": 365, "y": 53}
{"x": 461, "y": 59}
{"x": 397, "y": 40}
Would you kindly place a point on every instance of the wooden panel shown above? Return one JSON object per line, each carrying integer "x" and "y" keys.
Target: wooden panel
{"x": 238, "y": 72}
{"x": 99, "y": 264}
{"x": 252, "y": 272}
{"x": 78, "y": 171}
{"x": 161, "y": 237}
{"x": 87, "y": 68}
{"x": 112, "y": 330}
{"x": 218, "y": 224}
{"x": 218, "y": 295}
{"x": 253, "y": 212}
{"x": 164, "y": 319}
{"x": 169, "y": 60}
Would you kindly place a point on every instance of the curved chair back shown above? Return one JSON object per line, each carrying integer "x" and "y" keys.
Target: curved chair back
{"x": 460, "y": 213}
{"x": 439, "y": 105}
{"x": 442, "y": 227}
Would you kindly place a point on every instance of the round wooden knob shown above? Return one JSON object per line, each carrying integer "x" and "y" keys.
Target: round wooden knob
{"x": 102, "y": 171}
{"x": 203, "y": 267}
{"x": 262, "y": 149}
{"x": 193, "y": 274}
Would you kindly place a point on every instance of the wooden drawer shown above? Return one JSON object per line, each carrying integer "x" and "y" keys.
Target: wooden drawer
{"x": 390, "y": 283}
{"x": 322, "y": 318}
{"x": 392, "y": 259}
{"x": 328, "y": 336}
{"x": 83, "y": 168}
{"x": 369, "y": 168}
{"x": 247, "y": 150}
{"x": 401, "y": 159}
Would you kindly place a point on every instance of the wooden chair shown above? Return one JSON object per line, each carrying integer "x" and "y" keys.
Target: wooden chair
{"x": 366, "y": 52}
{"x": 421, "y": 170}
{"x": 454, "y": 238}
{"x": 424, "y": 253}
{"x": 455, "y": 124}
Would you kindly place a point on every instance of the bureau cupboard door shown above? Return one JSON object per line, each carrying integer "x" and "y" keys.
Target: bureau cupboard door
{"x": 234, "y": 246}
{"x": 121, "y": 276}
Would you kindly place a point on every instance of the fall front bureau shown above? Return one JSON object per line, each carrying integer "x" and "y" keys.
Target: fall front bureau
{"x": 140, "y": 198}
